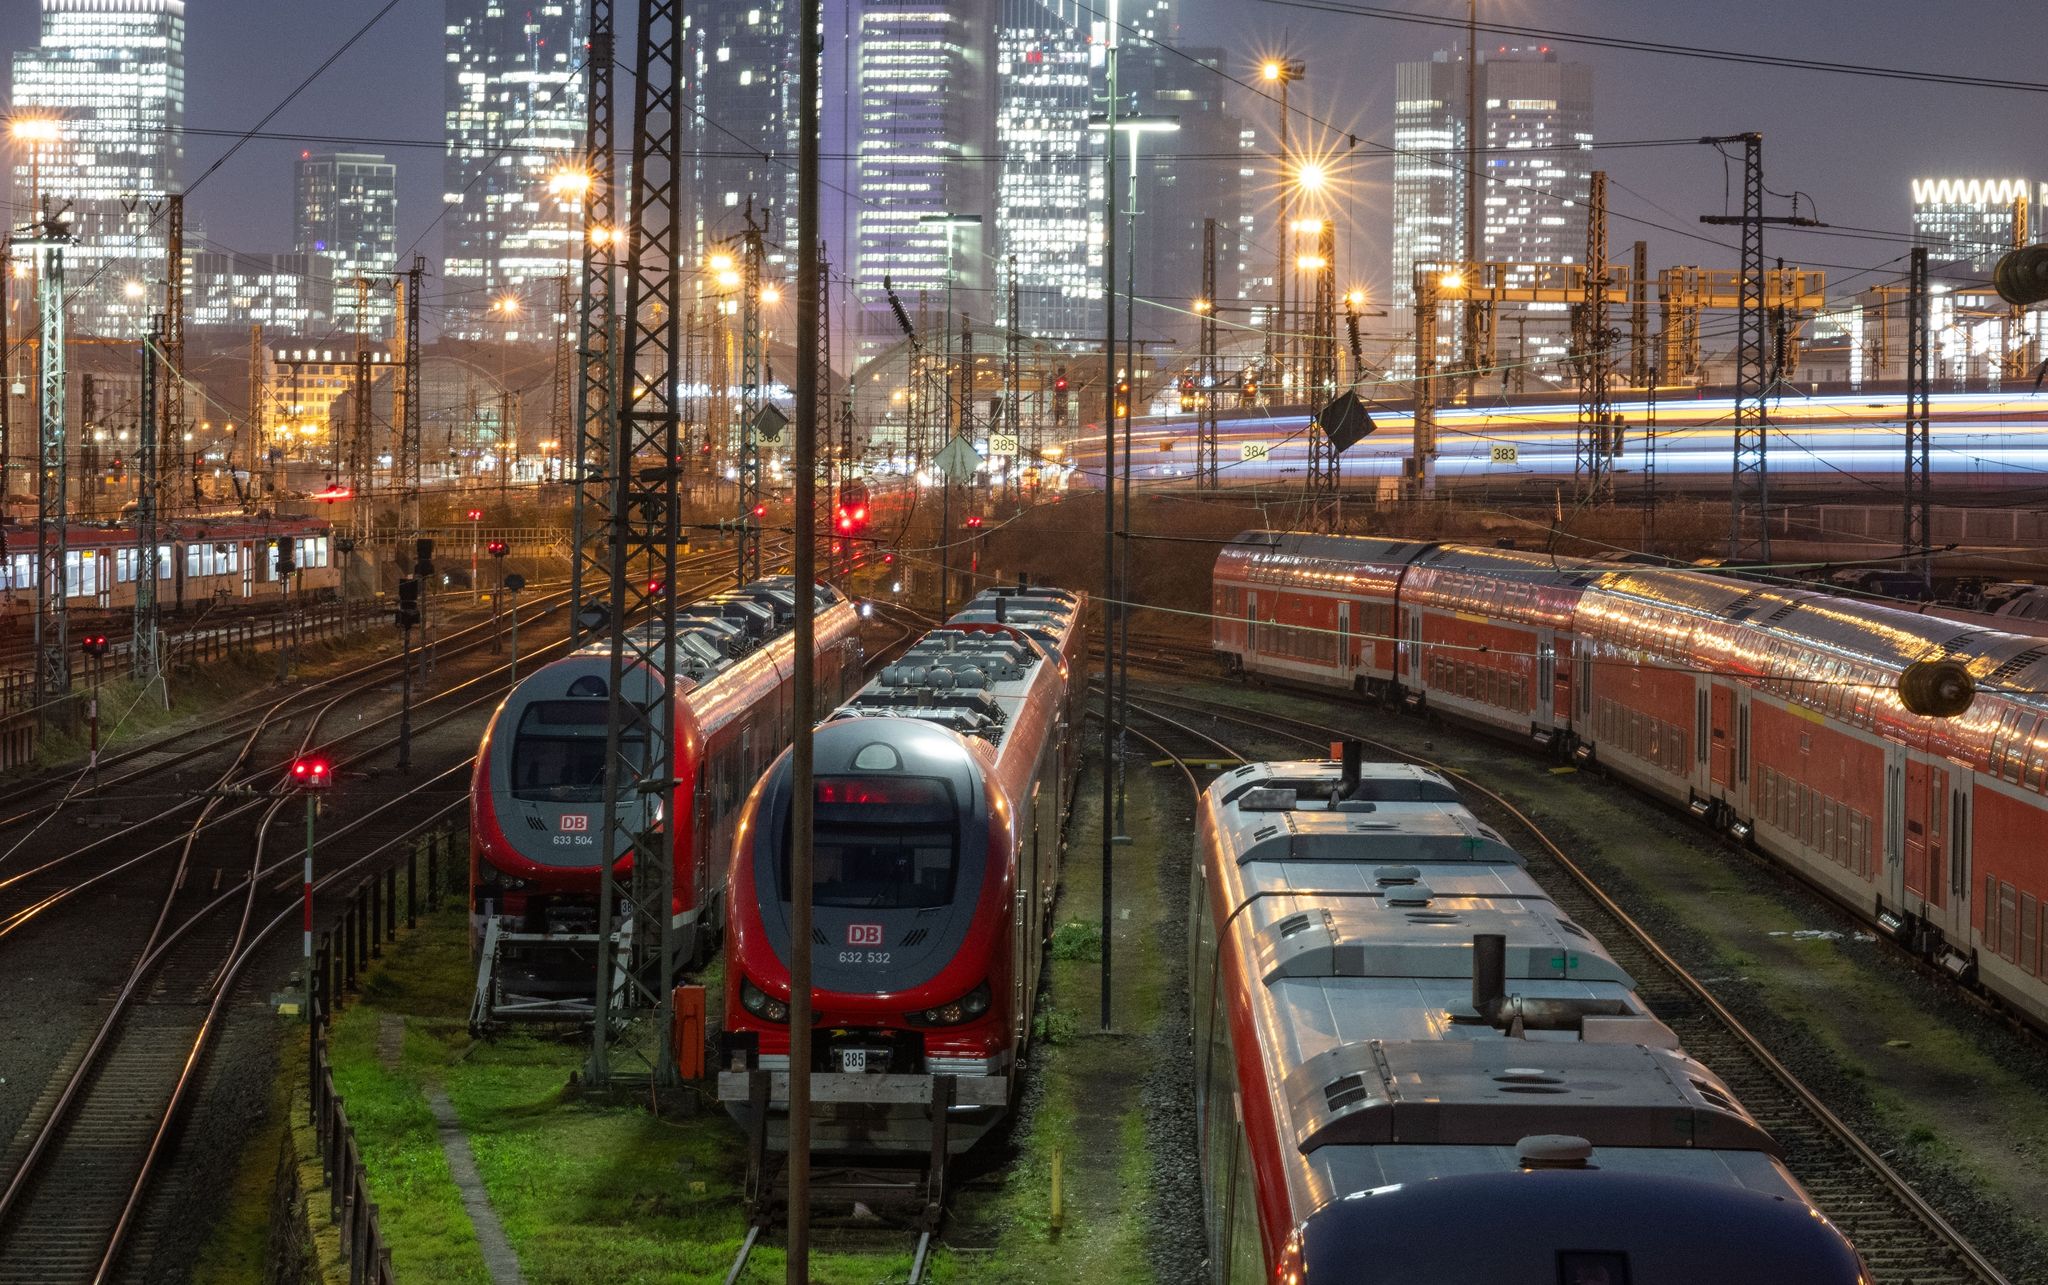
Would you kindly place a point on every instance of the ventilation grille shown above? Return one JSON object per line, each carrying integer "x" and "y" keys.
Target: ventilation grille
{"x": 535, "y": 823}
{"x": 914, "y": 936}
{"x": 2017, "y": 663}
{"x": 1344, "y": 1091}
{"x": 1293, "y": 924}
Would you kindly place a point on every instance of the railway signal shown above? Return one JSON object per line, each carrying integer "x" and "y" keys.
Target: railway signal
{"x": 310, "y": 775}
{"x": 1059, "y": 396}
{"x": 497, "y": 549}
{"x": 95, "y": 648}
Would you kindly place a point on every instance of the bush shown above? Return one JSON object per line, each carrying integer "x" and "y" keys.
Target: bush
{"x": 1075, "y": 939}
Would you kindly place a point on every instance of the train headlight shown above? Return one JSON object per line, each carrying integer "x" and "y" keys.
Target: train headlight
{"x": 764, "y": 1006}
{"x": 965, "y": 1009}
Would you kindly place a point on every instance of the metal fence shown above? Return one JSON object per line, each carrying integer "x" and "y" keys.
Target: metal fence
{"x": 427, "y": 869}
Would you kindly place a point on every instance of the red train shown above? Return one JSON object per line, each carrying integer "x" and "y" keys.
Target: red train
{"x": 537, "y": 796}
{"x": 1772, "y": 712}
{"x": 941, "y": 792}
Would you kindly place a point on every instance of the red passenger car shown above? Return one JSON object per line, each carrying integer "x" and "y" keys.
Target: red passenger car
{"x": 1771, "y": 712}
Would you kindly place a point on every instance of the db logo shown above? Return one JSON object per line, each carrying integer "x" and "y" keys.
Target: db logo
{"x": 575, "y": 821}
{"x": 863, "y": 934}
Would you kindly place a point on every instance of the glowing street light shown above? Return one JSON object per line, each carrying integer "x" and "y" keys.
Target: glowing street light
{"x": 1354, "y": 298}
{"x": 1311, "y": 262}
{"x": 33, "y": 129}
{"x": 131, "y": 289}
{"x": 1311, "y": 176}
{"x": 569, "y": 184}
{"x": 771, "y": 294}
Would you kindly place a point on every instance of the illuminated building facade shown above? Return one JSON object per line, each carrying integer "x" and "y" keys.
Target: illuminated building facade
{"x": 742, "y": 87}
{"x": 1967, "y": 223}
{"x": 1536, "y": 136}
{"x": 110, "y": 74}
{"x": 346, "y": 210}
{"x": 288, "y": 292}
{"x": 1049, "y": 189}
{"x": 927, "y": 128}
{"x": 515, "y": 118}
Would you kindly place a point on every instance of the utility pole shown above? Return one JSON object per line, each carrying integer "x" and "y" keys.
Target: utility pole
{"x": 360, "y": 448}
{"x": 1322, "y": 372}
{"x": 1650, "y": 461}
{"x": 259, "y": 384}
{"x": 408, "y": 408}
{"x": 1207, "y": 475}
{"x": 596, "y": 339}
{"x": 171, "y": 397}
{"x": 1420, "y": 482}
{"x": 1284, "y": 71}
{"x": 1593, "y": 471}
{"x": 640, "y": 785}
{"x": 1919, "y": 480}
{"x": 2019, "y": 358}
{"x": 143, "y": 658}
{"x": 88, "y": 448}
{"x": 53, "y": 660}
{"x": 6, "y": 367}
{"x": 1111, "y": 45}
{"x": 1749, "y": 497}
{"x": 1468, "y": 266}
{"x": 1639, "y": 315}
{"x": 813, "y": 380}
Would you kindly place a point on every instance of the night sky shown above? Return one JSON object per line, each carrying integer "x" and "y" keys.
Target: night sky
{"x": 1850, "y": 143}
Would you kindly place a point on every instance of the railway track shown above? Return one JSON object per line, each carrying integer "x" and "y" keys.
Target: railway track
{"x": 75, "y": 1184}
{"x": 1902, "y": 1237}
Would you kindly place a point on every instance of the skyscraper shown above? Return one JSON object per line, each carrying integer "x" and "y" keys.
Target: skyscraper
{"x": 1049, "y": 180}
{"x": 741, "y": 81}
{"x": 1967, "y": 223}
{"x": 1185, "y": 178}
{"x": 1536, "y": 131}
{"x": 110, "y": 74}
{"x": 347, "y": 214}
{"x": 515, "y": 119}
{"x": 925, "y": 140}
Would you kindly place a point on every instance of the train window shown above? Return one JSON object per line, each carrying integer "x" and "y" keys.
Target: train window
{"x": 888, "y": 867}
{"x": 558, "y": 751}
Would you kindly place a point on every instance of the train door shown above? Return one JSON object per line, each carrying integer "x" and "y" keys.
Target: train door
{"x": 249, "y": 560}
{"x": 1561, "y": 694}
{"x": 101, "y": 571}
{"x": 1909, "y": 862}
{"x": 1411, "y": 651}
{"x": 1702, "y": 780}
{"x": 1251, "y": 623}
{"x": 1959, "y": 916}
{"x": 1546, "y": 679}
{"x": 1721, "y": 737}
{"x": 1740, "y": 791}
{"x": 1347, "y": 664}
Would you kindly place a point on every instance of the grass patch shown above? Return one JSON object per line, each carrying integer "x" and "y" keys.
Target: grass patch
{"x": 1076, "y": 939}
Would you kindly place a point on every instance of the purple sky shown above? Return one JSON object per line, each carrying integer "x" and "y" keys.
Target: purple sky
{"x": 1851, "y": 143}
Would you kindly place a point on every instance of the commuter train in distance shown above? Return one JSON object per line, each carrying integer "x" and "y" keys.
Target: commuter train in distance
{"x": 1770, "y": 712}
{"x": 537, "y": 794}
{"x": 1413, "y": 1068}
{"x": 941, "y": 793}
{"x": 200, "y": 561}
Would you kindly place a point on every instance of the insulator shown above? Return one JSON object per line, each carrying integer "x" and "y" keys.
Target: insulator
{"x": 2022, "y": 275}
{"x": 1937, "y": 688}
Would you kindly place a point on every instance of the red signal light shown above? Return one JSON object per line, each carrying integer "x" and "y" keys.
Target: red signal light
{"x": 476, "y": 515}
{"x": 497, "y": 548}
{"x": 312, "y": 773}
{"x": 1060, "y": 385}
{"x": 654, "y": 586}
{"x": 760, "y": 510}
{"x": 860, "y": 513}
{"x": 888, "y": 559}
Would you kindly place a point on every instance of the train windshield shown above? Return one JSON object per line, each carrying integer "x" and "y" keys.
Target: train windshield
{"x": 558, "y": 751}
{"x": 883, "y": 843}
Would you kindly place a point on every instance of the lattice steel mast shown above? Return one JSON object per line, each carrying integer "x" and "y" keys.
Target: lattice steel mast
{"x": 596, "y": 330}
{"x": 1207, "y": 474}
{"x": 640, "y": 784}
{"x": 143, "y": 656}
{"x": 171, "y": 395}
{"x": 1749, "y": 533}
{"x": 53, "y": 657}
{"x": 752, "y": 355}
{"x": 1593, "y": 470}
{"x": 1919, "y": 488}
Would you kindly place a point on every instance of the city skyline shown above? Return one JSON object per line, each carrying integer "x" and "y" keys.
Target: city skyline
{"x": 1659, "y": 191}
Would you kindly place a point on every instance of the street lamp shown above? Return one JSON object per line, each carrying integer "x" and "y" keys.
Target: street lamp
{"x": 948, "y": 222}
{"x": 1282, "y": 72}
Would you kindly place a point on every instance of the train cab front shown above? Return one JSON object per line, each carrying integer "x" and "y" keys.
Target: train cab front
{"x": 911, "y": 948}
{"x": 536, "y": 821}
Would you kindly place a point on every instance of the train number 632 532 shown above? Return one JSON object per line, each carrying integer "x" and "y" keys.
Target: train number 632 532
{"x": 863, "y": 956}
